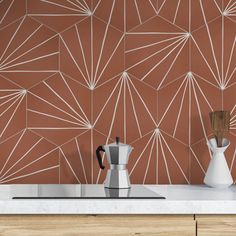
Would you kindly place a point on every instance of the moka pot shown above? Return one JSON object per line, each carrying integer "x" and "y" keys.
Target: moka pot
{"x": 117, "y": 156}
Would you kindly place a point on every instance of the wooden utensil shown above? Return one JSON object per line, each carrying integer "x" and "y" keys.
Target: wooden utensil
{"x": 220, "y": 122}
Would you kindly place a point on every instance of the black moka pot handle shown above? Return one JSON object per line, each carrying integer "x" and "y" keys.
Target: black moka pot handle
{"x": 99, "y": 157}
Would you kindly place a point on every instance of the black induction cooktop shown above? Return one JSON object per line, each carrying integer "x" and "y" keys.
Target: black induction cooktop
{"x": 69, "y": 191}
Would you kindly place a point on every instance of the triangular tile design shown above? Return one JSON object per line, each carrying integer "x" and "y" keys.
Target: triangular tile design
{"x": 75, "y": 74}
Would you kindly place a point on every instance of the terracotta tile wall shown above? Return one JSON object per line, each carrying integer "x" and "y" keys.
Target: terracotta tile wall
{"x": 75, "y": 74}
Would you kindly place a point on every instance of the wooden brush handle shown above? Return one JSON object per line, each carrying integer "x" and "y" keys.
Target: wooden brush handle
{"x": 219, "y": 139}
{"x": 220, "y": 122}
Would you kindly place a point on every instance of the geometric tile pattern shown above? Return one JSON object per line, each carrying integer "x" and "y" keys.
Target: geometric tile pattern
{"x": 76, "y": 74}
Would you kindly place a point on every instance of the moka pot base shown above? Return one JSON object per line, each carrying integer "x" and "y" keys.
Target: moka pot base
{"x": 117, "y": 177}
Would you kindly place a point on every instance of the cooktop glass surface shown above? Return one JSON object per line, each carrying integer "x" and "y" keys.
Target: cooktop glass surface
{"x": 70, "y": 191}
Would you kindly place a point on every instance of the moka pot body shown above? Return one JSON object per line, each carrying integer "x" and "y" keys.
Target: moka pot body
{"x": 117, "y": 155}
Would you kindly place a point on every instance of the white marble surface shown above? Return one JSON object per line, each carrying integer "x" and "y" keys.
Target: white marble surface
{"x": 180, "y": 199}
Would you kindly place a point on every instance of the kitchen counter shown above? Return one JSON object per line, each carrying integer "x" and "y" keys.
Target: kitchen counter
{"x": 180, "y": 199}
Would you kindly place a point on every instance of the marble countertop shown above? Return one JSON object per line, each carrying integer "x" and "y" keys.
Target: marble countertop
{"x": 180, "y": 199}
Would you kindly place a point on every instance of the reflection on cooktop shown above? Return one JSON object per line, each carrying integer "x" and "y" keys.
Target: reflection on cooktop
{"x": 69, "y": 191}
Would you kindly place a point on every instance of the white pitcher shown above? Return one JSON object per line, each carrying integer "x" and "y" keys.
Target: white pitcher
{"x": 218, "y": 173}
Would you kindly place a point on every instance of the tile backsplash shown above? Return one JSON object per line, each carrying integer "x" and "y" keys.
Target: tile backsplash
{"x": 76, "y": 74}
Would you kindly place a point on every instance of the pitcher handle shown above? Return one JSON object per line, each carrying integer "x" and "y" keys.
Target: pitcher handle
{"x": 99, "y": 157}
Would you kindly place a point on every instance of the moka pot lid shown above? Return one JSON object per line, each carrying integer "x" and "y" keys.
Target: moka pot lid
{"x": 117, "y": 144}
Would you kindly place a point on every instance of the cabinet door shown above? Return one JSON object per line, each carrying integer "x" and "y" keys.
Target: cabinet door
{"x": 216, "y": 225}
{"x": 100, "y": 225}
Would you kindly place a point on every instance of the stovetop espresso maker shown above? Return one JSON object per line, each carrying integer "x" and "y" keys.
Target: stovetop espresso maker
{"x": 117, "y": 156}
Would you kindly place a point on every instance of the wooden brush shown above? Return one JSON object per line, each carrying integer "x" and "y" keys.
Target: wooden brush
{"x": 220, "y": 121}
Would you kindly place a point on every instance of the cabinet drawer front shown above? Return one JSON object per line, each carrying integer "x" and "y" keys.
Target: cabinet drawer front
{"x": 216, "y": 225}
{"x": 100, "y": 225}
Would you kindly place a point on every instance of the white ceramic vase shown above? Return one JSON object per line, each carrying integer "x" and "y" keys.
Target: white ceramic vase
{"x": 218, "y": 173}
